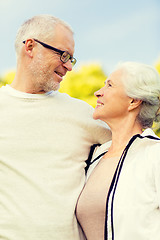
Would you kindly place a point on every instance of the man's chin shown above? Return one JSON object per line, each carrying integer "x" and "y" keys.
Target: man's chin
{"x": 52, "y": 87}
{"x": 56, "y": 88}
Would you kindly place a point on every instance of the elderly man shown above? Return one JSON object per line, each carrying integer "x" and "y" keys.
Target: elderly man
{"x": 45, "y": 137}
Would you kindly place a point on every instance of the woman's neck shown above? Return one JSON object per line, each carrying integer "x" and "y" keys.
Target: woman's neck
{"x": 121, "y": 134}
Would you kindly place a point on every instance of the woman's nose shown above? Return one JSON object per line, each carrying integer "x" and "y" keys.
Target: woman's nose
{"x": 98, "y": 93}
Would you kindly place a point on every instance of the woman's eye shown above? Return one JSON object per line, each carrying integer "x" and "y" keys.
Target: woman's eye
{"x": 108, "y": 84}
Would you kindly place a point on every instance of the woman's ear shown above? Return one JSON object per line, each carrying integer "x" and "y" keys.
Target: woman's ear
{"x": 134, "y": 103}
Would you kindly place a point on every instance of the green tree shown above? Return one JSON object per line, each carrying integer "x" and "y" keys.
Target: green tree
{"x": 7, "y": 78}
{"x": 157, "y": 66}
{"x": 83, "y": 82}
{"x": 156, "y": 126}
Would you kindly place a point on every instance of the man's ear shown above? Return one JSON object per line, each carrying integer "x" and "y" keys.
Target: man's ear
{"x": 29, "y": 45}
{"x": 134, "y": 103}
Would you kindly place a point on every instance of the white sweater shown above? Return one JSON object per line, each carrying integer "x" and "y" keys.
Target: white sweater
{"x": 44, "y": 142}
{"x": 133, "y": 203}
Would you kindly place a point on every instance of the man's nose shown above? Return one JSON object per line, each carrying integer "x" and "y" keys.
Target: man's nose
{"x": 68, "y": 65}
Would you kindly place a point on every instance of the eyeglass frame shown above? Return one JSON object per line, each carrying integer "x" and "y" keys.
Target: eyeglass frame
{"x": 58, "y": 51}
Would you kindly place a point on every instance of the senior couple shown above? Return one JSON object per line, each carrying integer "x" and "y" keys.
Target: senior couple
{"x": 45, "y": 140}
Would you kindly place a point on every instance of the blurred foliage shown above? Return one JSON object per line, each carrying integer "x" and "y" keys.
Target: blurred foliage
{"x": 83, "y": 82}
{"x": 157, "y": 66}
{"x": 7, "y": 78}
{"x": 156, "y": 126}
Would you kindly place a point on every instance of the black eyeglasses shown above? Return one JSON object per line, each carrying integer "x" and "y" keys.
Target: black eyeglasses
{"x": 64, "y": 55}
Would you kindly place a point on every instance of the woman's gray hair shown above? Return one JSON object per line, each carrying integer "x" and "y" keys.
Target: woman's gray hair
{"x": 41, "y": 27}
{"x": 142, "y": 82}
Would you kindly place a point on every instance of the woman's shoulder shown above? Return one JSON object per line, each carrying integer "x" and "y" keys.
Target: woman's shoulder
{"x": 150, "y": 134}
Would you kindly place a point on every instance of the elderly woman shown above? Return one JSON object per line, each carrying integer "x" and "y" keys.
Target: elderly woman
{"x": 121, "y": 198}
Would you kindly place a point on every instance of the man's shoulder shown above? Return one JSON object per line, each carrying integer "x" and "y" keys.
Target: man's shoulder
{"x": 3, "y": 90}
{"x": 73, "y": 101}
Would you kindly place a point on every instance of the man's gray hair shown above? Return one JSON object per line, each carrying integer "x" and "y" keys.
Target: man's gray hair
{"x": 41, "y": 27}
{"x": 142, "y": 82}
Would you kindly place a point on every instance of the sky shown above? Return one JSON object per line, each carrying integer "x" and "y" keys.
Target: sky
{"x": 105, "y": 31}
